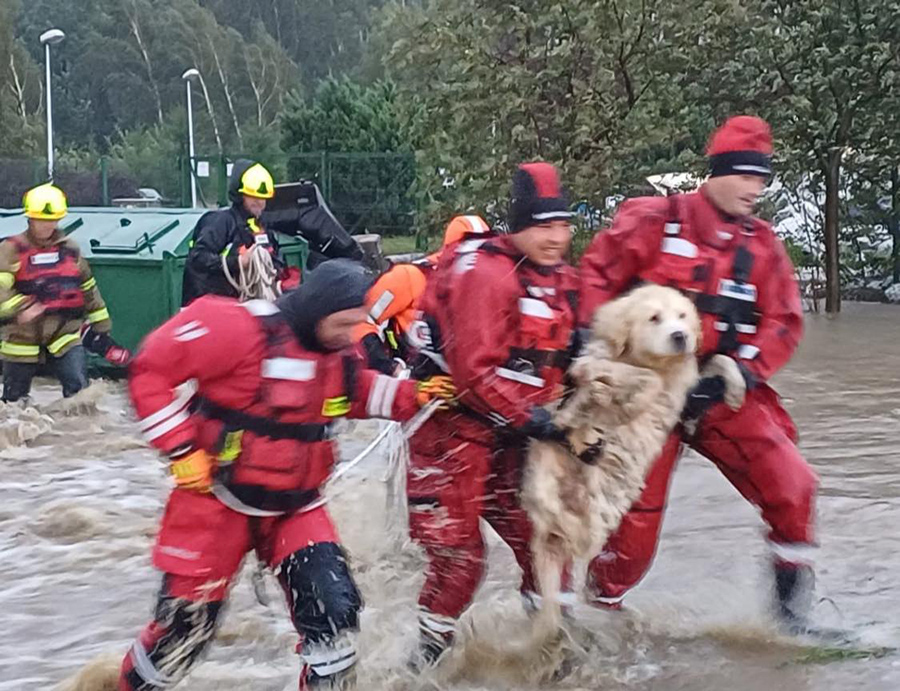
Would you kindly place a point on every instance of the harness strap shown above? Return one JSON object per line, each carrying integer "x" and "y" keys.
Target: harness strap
{"x": 263, "y": 427}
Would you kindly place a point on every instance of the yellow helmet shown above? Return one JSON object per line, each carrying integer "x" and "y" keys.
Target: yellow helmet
{"x": 257, "y": 182}
{"x": 45, "y": 203}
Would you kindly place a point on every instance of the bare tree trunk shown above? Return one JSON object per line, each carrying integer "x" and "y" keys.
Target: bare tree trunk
{"x": 228, "y": 101}
{"x": 136, "y": 32}
{"x": 212, "y": 114}
{"x": 18, "y": 88}
{"x": 257, "y": 92}
{"x": 894, "y": 223}
{"x": 832, "y": 233}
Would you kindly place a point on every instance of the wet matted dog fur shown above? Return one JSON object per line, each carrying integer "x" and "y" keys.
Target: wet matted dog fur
{"x": 630, "y": 385}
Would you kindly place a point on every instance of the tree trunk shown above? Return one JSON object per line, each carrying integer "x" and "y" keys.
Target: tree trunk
{"x": 832, "y": 233}
{"x": 894, "y": 223}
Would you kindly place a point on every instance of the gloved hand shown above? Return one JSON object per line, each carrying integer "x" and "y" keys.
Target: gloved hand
{"x": 707, "y": 392}
{"x": 193, "y": 470}
{"x": 540, "y": 426}
{"x": 439, "y": 387}
{"x": 103, "y": 345}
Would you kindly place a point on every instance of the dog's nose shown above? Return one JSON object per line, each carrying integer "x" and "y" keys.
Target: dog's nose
{"x": 679, "y": 340}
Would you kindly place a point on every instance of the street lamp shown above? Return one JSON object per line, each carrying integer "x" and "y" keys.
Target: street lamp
{"x": 189, "y": 76}
{"x": 50, "y": 38}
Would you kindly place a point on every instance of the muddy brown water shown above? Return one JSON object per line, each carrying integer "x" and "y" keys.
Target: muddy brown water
{"x": 80, "y": 497}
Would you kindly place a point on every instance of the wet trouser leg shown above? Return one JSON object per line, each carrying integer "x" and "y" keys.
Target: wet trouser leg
{"x": 71, "y": 370}
{"x": 321, "y": 594}
{"x": 755, "y": 449}
{"x": 199, "y": 548}
{"x": 17, "y": 378}
{"x": 629, "y": 551}
{"x": 453, "y": 483}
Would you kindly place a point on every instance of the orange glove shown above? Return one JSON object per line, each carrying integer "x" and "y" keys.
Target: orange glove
{"x": 438, "y": 387}
{"x": 193, "y": 471}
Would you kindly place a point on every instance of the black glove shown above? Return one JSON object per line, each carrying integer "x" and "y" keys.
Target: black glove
{"x": 103, "y": 345}
{"x": 541, "y": 427}
{"x": 377, "y": 355}
{"x": 707, "y": 392}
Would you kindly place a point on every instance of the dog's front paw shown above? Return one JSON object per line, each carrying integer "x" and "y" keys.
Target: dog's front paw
{"x": 735, "y": 384}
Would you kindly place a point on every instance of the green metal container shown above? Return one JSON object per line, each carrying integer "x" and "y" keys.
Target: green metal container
{"x": 138, "y": 257}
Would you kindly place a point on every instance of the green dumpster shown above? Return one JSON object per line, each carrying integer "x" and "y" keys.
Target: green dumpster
{"x": 138, "y": 256}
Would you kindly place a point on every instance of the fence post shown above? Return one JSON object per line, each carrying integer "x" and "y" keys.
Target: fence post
{"x": 223, "y": 180}
{"x": 104, "y": 181}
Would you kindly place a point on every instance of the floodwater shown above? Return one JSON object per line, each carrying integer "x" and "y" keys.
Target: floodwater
{"x": 80, "y": 497}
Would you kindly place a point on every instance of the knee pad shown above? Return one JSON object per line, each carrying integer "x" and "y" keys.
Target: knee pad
{"x": 322, "y": 595}
{"x": 168, "y": 648}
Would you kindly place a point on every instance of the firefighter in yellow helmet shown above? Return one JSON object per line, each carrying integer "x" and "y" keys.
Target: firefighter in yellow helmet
{"x": 49, "y": 302}
{"x": 222, "y": 238}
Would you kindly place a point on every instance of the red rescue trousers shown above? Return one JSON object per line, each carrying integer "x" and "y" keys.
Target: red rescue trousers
{"x": 452, "y": 483}
{"x": 200, "y": 548}
{"x": 755, "y": 448}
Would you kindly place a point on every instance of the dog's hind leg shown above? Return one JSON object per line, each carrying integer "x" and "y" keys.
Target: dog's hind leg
{"x": 549, "y": 564}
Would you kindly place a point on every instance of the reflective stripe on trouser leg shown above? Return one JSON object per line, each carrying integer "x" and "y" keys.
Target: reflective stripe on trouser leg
{"x": 171, "y": 645}
{"x": 799, "y": 553}
{"x": 331, "y": 658}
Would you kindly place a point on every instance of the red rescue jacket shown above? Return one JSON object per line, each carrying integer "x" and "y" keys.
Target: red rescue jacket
{"x": 736, "y": 271}
{"x": 263, "y": 406}
{"x": 501, "y": 325}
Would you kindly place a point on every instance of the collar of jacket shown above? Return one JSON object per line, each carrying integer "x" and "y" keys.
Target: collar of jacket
{"x": 56, "y": 239}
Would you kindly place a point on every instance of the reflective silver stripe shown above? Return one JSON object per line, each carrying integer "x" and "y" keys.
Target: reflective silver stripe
{"x": 538, "y": 292}
{"x": 747, "y": 352}
{"x": 190, "y": 326}
{"x": 672, "y": 228}
{"x": 327, "y": 660}
{"x": 498, "y": 419}
{"x": 192, "y": 335}
{"x": 381, "y": 396}
{"x": 740, "y": 328}
{"x": 679, "y": 247}
{"x": 520, "y": 377}
{"x": 476, "y": 223}
{"x": 602, "y": 599}
{"x": 260, "y": 308}
{"x": 793, "y": 552}
{"x": 291, "y": 369}
{"x": 469, "y": 246}
{"x": 167, "y": 426}
{"x": 145, "y": 668}
{"x": 752, "y": 169}
{"x": 387, "y": 297}
{"x": 436, "y": 622}
{"x": 224, "y": 495}
{"x": 551, "y": 215}
{"x": 535, "y": 308}
{"x": 182, "y": 398}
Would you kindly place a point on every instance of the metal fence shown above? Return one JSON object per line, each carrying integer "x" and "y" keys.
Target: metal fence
{"x": 87, "y": 183}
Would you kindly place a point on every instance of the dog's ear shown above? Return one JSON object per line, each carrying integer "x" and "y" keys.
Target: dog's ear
{"x": 611, "y": 324}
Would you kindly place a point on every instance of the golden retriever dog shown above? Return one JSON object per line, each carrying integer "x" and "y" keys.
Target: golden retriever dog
{"x": 630, "y": 385}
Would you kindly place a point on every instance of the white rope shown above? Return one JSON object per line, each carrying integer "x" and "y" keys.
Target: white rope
{"x": 410, "y": 428}
{"x": 256, "y": 278}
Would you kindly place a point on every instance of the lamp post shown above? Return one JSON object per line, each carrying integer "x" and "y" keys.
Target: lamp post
{"x": 50, "y": 38}
{"x": 189, "y": 76}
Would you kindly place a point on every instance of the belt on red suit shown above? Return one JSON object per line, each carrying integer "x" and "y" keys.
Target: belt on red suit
{"x": 722, "y": 306}
{"x": 255, "y": 500}
{"x": 237, "y": 419}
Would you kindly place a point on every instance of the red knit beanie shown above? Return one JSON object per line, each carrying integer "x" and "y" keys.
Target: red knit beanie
{"x": 742, "y": 146}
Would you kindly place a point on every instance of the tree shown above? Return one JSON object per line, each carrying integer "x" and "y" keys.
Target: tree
{"x": 580, "y": 83}
{"x": 820, "y": 71}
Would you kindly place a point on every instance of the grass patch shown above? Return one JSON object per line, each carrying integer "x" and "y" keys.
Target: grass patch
{"x": 827, "y": 655}
{"x": 398, "y": 244}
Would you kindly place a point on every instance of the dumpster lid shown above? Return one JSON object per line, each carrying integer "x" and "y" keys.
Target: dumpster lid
{"x": 134, "y": 233}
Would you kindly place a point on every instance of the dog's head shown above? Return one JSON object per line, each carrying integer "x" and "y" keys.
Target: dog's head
{"x": 649, "y": 326}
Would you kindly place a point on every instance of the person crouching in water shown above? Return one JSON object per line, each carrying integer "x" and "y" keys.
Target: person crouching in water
{"x": 249, "y": 455}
